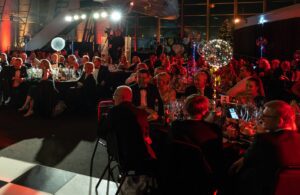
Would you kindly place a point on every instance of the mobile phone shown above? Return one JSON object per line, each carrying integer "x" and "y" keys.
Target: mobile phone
{"x": 233, "y": 113}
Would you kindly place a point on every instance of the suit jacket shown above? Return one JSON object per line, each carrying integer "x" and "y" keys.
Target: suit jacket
{"x": 125, "y": 129}
{"x": 205, "y": 135}
{"x": 103, "y": 74}
{"x": 208, "y": 91}
{"x": 268, "y": 153}
{"x": 6, "y": 71}
{"x": 153, "y": 97}
{"x": 88, "y": 90}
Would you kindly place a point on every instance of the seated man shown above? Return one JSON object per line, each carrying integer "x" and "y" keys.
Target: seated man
{"x": 129, "y": 128}
{"x": 275, "y": 146}
{"x": 17, "y": 78}
{"x": 202, "y": 85}
{"x": 145, "y": 94}
{"x": 5, "y": 70}
{"x": 127, "y": 135}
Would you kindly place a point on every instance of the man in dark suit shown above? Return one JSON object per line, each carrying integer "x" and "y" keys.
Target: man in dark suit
{"x": 18, "y": 86}
{"x": 130, "y": 126}
{"x": 145, "y": 94}
{"x": 23, "y": 55}
{"x": 202, "y": 85}
{"x": 101, "y": 74}
{"x": 276, "y": 146}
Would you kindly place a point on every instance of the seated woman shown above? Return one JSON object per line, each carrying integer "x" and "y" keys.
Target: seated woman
{"x": 201, "y": 86}
{"x": 166, "y": 93}
{"x": 84, "y": 95}
{"x": 87, "y": 85}
{"x": 196, "y": 131}
{"x": 73, "y": 65}
{"x": 43, "y": 96}
{"x": 179, "y": 79}
{"x": 240, "y": 89}
{"x": 17, "y": 85}
{"x": 124, "y": 63}
{"x": 134, "y": 62}
{"x": 253, "y": 93}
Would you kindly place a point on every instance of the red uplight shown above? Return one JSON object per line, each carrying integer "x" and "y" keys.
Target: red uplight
{"x": 5, "y": 35}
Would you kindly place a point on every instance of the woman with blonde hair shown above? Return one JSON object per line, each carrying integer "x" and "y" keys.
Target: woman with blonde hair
{"x": 42, "y": 96}
{"x": 166, "y": 93}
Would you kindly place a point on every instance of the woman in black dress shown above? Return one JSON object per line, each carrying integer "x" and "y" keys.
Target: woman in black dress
{"x": 41, "y": 97}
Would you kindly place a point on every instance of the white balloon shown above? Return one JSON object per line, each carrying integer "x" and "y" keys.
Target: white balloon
{"x": 58, "y": 43}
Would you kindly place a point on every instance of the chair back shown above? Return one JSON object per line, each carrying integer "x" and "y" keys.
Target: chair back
{"x": 185, "y": 170}
{"x": 125, "y": 141}
{"x": 103, "y": 109}
{"x": 288, "y": 181}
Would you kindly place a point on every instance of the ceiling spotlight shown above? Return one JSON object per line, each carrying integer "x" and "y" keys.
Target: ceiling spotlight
{"x": 96, "y": 15}
{"x": 68, "y": 18}
{"x": 83, "y": 16}
{"x": 131, "y": 3}
{"x": 104, "y": 14}
{"x": 76, "y": 17}
{"x": 115, "y": 16}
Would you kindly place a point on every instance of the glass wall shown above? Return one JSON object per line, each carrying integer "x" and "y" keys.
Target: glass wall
{"x": 197, "y": 16}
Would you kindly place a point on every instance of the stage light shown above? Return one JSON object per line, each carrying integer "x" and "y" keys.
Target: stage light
{"x": 115, "y": 16}
{"x": 131, "y": 4}
{"x": 83, "y": 16}
{"x": 104, "y": 14}
{"x": 96, "y": 15}
{"x": 76, "y": 17}
{"x": 68, "y": 18}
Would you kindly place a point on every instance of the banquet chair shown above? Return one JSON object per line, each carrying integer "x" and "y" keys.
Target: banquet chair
{"x": 184, "y": 170}
{"x": 288, "y": 181}
{"x": 128, "y": 153}
{"x": 103, "y": 109}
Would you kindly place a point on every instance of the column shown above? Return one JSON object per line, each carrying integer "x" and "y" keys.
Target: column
{"x": 207, "y": 19}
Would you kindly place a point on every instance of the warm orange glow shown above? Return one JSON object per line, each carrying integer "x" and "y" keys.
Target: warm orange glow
{"x": 5, "y": 39}
{"x": 99, "y": 32}
{"x": 237, "y": 20}
{"x": 79, "y": 31}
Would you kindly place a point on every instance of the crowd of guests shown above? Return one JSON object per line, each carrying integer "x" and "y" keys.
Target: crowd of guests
{"x": 193, "y": 160}
{"x": 168, "y": 77}
{"x": 142, "y": 90}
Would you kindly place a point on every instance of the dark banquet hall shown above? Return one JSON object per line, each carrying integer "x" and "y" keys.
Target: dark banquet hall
{"x": 149, "y": 97}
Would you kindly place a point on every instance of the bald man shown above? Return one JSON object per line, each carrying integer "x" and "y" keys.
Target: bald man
{"x": 122, "y": 94}
{"x": 129, "y": 125}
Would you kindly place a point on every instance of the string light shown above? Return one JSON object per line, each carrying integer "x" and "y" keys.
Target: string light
{"x": 217, "y": 53}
